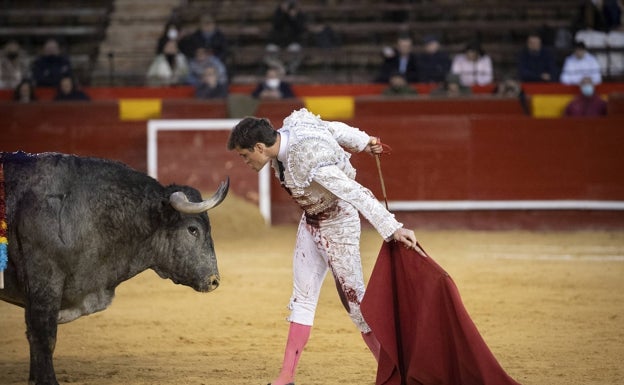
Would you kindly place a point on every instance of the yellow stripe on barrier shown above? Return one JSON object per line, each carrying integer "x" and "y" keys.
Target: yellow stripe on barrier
{"x": 549, "y": 106}
{"x": 139, "y": 109}
{"x": 331, "y": 107}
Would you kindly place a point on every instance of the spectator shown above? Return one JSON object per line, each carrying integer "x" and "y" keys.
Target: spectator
{"x": 598, "y": 15}
{"x": 535, "y": 62}
{"x": 203, "y": 59}
{"x": 595, "y": 43}
{"x": 511, "y": 88}
{"x": 329, "y": 41}
{"x": 168, "y": 67}
{"x": 68, "y": 90}
{"x": 615, "y": 42}
{"x": 209, "y": 87}
{"x": 587, "y": 103}
{"x": 207, "y": 35}
{"x": 452, "y": 87}
{"x": 273, "y": 87}
{"x": 473, "y": 66}
{"x": 580, "y": 64}
{"x": 14, "y": 65}
{"x": 51, "y": 65}
{"x": 24, "y": 92}
{"x": 288, "y": 32}
{"x": 326, "y": 37}
{"x": 398, "y": 86}
{"x": 612, "y": 11}
{"x": 590, "y": 16}
{"x": 433, "y": 63}
{"x": 401, "y": 59}
{"x": 172, "y": 31}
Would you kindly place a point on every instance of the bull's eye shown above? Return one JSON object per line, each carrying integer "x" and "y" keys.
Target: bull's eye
{"x": 193, "y": 231}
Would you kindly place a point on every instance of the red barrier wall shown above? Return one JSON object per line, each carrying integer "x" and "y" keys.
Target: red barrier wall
{"x": 435, "y": 157}
{"x": 90, "y": 129}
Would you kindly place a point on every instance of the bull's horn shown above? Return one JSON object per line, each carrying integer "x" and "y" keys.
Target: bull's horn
{"x": 180, "y": 202}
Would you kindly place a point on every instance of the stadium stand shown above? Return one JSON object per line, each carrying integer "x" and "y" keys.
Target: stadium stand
{"x": 78, "y": 26}
{"x": 365, "y": 26}
{"x": 112, "y": 42}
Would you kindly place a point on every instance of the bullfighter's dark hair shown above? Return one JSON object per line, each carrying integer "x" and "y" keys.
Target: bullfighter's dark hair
{"x": 250, "y": 131}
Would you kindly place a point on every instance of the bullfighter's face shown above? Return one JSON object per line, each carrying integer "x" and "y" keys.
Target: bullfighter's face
{"x": 256, "y": 158}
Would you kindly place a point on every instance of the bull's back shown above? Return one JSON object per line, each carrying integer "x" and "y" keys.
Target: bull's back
{"x": 64, "y": 212}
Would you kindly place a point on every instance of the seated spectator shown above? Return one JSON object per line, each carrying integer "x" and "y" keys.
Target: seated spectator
{"x": 273, "y": 87}
{"x": 598, "y": 15}
{"x": 595, "y": 43}
{"x": 207, "y": 35}
{"x": 49, "y": 67}
{"x": 589, "y": 15}
{"x": 615, "y": 43}
{"x": 329, "y": 41}
{"x": 24, "y": 92}
{"x": 580, "y": 64}
{"x": 401, "y": 59}
{"x": 535, "y": 62}
{"x": 168, "y": 67}
{"x": 612, "y": 11}
{"x": 452, "y": 87}
{"x": 172, "y": 31}
{"x": 511, "y": 88}
{"x": 14, "y": 65}
{"x": 398, "y": 86}
{"x": 287, "y": 33}
{"x": 203, "y": 59}
{"x": 587, "y": 103}
{"x": 210, "y": 87}
{"x": 473, "y": 66}
{"x": 68, "y": 90}
{"x": 432, "y": 64}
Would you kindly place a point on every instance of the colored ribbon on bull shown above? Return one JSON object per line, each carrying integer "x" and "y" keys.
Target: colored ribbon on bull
{"x": 4, "y": 243}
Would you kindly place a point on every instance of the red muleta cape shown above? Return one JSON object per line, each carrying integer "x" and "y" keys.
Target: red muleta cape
{"x": 426, "y": 335}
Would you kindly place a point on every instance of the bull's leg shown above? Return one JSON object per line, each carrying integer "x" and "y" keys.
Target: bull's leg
{"x": 41, "y": 326}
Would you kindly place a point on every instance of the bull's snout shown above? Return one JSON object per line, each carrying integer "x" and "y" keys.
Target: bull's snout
{"x": 213, "y": 282}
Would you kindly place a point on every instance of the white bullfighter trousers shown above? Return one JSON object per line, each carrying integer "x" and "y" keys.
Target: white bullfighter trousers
{"x": 328, "y": 241}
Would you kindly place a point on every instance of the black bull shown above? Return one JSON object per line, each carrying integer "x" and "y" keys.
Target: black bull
{"x": 78, "y": 227}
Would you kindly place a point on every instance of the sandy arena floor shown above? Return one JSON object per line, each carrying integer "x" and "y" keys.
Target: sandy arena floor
{"x": 549, "y": 305}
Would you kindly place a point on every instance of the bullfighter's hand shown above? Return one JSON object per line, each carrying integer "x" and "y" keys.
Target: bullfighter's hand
{"x": 374, "y": 146}
{"x": 406, "y": 237}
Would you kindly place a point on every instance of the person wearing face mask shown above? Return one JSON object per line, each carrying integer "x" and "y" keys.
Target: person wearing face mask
{"x": 273, "y": 87}
{"x": 14, "y": 65}
{"x": 587, "y": 103}
{"x": 168, "y": 68}
{"x": 171, "y": 31}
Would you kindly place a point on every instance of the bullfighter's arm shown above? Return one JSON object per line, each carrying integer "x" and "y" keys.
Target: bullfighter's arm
{"x": 351, "y": 138}
{"x": 339, "y": 184}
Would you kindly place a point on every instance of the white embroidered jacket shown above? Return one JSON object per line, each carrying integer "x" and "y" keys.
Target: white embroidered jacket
{"x": 318, "y": 172}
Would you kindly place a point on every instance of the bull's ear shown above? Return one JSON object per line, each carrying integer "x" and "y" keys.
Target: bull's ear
{"x": 161, "y": 213}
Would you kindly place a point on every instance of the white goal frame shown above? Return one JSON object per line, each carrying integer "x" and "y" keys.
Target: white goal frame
{"x": 154, "y": 126}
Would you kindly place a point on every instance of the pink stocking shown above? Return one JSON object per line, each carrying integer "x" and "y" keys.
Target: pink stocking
{"x": 372, "y": 343}
{"x": 297, "y": 338}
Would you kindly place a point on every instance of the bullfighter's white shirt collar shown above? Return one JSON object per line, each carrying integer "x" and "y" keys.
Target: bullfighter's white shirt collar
{"x": 282, "y": 155}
